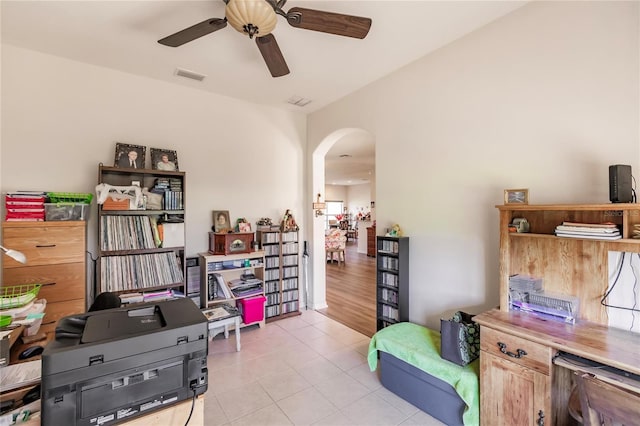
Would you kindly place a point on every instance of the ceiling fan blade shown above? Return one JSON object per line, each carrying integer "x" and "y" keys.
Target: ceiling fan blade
{"x": 329, "y": 22}
{"x": 272, "y": 55}
{"x": 194, "y": 32}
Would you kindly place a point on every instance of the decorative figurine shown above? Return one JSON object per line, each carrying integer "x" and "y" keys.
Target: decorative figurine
{"x": 395, "y": 231}
{"x": 288, "y": 222}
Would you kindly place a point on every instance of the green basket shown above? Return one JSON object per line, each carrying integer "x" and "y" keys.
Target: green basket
{"x": 18, "y": 295}
{"x": 69, "y": 197}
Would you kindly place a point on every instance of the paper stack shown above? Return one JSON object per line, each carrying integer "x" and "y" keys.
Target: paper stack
{"x": 594, "y": 231}
{"x": 636, "y": 231}
{"x": 245, "y": 287}
{"x": 25, "y": 206}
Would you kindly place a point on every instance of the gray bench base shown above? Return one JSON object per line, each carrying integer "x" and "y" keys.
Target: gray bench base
{"x": 430, "y": 394}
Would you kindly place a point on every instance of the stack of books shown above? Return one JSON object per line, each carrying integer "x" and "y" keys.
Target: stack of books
{"x": 594, "y": 231}
{"x": 171, "y": 190}
{"x": 168, "y": 294}
{"x": 25, "y": 206}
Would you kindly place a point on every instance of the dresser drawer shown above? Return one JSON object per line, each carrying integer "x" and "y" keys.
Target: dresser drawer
{"x": 507, "y": 346}
{"x": 55, "y": 311}
{"x": 45, "y": 244}
{"x": 61, "y": 282}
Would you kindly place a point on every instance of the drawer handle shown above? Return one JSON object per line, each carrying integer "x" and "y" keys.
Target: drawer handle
{"x": 45, "y": 245}
{"x": 503, "y": 348}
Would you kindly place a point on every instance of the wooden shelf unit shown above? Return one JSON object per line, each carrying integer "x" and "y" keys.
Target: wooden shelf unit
{"x": 269, "y": 242}
{"x": 572, "y": 266}
{"x": 139, "y": 269}
{"x": 392, "y": 280}
{"x": 282, "y": 273}
{"x": 211, "y": 264}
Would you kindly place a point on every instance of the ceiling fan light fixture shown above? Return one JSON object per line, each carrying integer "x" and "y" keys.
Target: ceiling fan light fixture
{"x": 251, "y": 17}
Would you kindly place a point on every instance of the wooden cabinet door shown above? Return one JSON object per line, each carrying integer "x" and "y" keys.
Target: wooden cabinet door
{"x": 511, "y": 394}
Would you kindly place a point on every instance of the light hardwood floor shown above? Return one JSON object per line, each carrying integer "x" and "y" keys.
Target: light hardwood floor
{"x": 351, "y": 291}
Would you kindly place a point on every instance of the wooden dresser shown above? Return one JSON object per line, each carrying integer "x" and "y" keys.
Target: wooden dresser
{"x": 55, "y": 254}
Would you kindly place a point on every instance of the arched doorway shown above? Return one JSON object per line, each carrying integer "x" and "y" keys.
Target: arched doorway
{"x": 354, "y": 143}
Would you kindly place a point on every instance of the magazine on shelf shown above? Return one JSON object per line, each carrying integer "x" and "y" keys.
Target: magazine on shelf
{"x": 604, "y": 225}
{"x": 220, "y": 312}
{"x": 590, "y": 236}
{"x": 222, "y": 286}
{"x": 587, "y": 229}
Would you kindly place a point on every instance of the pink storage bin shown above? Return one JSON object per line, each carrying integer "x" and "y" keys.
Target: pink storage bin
{"x": 252, "y": 308}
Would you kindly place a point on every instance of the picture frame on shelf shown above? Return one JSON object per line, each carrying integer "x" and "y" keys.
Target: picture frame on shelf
{"x": 164, "y": 159}
{"x": 221, "y": 222}
{"x": 516, "y": 196}
{"x": 129, "y": 156}
{"x": 244, "y": 227}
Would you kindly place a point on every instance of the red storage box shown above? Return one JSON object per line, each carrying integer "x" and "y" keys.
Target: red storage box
{"x": 252, "y": 309}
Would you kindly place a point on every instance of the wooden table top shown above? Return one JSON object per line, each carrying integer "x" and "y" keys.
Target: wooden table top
{"x": 607, "y": 345}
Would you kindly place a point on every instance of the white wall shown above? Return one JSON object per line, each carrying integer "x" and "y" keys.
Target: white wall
{"x": 545, "y": 98}
{"x": 355, "y": 197}
{"x": 335, "y": 193}
{"x": 360, "y": 198}
{"x": 61, "y": 118}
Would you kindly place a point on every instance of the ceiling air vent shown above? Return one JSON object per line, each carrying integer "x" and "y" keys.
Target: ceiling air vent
{"x": 298, "y": 101}
{"x": 181, "y": 72}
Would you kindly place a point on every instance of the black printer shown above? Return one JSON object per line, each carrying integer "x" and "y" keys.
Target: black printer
{"x": 110, "y": 366}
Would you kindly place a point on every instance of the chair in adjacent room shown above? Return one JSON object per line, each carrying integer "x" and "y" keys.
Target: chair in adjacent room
{"x": 335, "y": 243}
{"x": 602, "y": 403}
{"x": 352, "y": 233}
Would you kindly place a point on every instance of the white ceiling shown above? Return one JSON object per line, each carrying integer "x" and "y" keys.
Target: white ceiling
{"x": 122, "y": 35}
{"x": 356, "y": 169}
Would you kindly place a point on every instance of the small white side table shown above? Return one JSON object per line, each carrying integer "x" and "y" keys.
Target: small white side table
{"x": 216, "y": 326}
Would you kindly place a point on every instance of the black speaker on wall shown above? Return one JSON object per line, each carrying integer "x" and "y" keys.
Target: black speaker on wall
{"x": 620, "y": 184}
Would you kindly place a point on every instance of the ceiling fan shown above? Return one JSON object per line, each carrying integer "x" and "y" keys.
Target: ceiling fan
{"x": 258, "y": 18}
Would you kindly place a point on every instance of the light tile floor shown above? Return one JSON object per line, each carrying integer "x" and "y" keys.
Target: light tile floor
{"x": 304, "y": 370}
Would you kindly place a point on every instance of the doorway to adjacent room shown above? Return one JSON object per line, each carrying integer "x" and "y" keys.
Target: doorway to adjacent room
{"x": 343, "y": 169}
{"x": 351, "y": 290}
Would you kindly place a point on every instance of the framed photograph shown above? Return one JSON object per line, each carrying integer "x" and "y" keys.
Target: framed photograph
{"x": 129, "y": 156}
{"x": 244, "y": 227}
{"x": 221, "y": 221}
{"x": 164, "y": 159}
{"x": 516, "y": 196}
